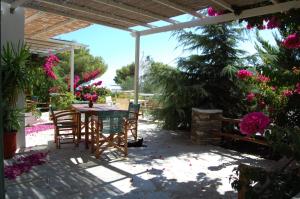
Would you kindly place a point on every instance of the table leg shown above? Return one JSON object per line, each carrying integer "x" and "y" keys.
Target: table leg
{"x": 86, "y": 124}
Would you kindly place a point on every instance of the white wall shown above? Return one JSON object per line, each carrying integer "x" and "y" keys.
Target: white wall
{"x": 12, "y": 30}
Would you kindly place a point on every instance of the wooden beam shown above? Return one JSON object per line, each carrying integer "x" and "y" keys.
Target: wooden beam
{"x": 34, "y": 17}
{"x": 280, "y": 7}
{"x": 53, "y": 27}
{"x": 16, "y": 4}
{"x": 88, "y": 11}
{"x": 82, "y": 18}
{"x": 136, "y": 10}
{"x": 223, "y": 4}
{"x": 178, "y": 7}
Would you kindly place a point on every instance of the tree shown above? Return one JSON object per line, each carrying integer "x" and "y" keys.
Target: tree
{"x": 124, "y": 76}
{"x": 205, "y": 79}
{"x": 84, "y": 63}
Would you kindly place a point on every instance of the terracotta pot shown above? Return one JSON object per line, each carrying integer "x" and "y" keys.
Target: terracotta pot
{"x": 10, "y": 144}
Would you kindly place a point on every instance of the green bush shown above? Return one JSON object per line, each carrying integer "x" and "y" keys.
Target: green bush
{"x": 62, "y": 101}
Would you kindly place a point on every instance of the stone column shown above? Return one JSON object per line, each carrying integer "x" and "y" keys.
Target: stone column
{"x": 204, "y": 121}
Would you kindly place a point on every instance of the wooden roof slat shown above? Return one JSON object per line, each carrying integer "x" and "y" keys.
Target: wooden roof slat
{"x": 88, "y": 11}
{"x": 135, "y": 10}
{"x": 53, "y": 27}
{"x": 223, "y": 4}
{"x": 34, "y": 17}
{"x": 82, "y": 18}
{"x": 178, "y": 7}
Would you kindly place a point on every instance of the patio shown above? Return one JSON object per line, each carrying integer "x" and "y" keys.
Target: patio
{"x": 169, "y": 167}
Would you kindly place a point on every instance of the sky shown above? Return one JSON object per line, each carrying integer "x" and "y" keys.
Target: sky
{"x": 117, "y": 47}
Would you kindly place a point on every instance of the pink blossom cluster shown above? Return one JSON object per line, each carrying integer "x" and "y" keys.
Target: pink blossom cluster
{"x": 253, "y": 123}
{"x": 297, "y": 90}
{"x": 90, "y": 97}
{"x": 97, "y": 83}
{"x": 263, "y": 79}
{"x": 250, "y": 97}
{"x": 273, "y": 23}
{"x": 50, "y": 62}
{"x": 38, "y": 128}
{"x": 287, "y": 93}
{"x": 24, "y": 164}
{"x": 292, "y": 41}
{"x": 243, "y": 74}
{"x": 91, "y": 75}
{"x": 212, "y": 12}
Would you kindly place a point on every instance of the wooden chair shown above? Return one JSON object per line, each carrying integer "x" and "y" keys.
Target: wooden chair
{"x": 66, "y": 126}
{"x": 133, "y": 116}
{"x": 109, "y": 129}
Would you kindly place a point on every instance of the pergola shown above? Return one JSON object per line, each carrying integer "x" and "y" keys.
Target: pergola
{"x": 47, "y": 18}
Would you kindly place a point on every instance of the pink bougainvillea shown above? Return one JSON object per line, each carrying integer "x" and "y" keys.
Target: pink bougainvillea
{"x": 253, "y": 123}
{"x": 212, "y": 12}
{"x": 263, "y": 79}
{"x": 38, "y": 128}
{"x": 98, "y": 83}
{"x": 250, "y": 97}
{"x": 90, "y": 97}
{"x": 243, "y": 74}
{"x": 273, "y": 23}
{"x": 287, "y": 93}
{"x": 24, "y": 164}
{"x": 91, "y": 75}
{"x": 50, "y": 62}
{"x": 297, "y": 90}
{"x": 292, "y": 41}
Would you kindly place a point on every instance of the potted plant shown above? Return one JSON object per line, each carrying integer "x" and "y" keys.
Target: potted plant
{"x": 15, "y": 79}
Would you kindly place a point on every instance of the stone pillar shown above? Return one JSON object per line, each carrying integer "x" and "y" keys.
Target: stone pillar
{"x": 204, "y": 121}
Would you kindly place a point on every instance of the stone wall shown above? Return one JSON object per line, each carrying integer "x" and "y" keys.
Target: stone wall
{"x": 203, "y": 122}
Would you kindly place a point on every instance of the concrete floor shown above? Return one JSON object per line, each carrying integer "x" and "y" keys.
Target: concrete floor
{"x": 169, "y": 167}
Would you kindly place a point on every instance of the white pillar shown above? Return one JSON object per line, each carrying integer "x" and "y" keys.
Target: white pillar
{"x": 72, "y": 71}
{"x": 136, "y": 69}
{"x": 12, "y": 30}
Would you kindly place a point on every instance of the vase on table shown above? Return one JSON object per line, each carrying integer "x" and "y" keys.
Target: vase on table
{"x": 91, "y": 104}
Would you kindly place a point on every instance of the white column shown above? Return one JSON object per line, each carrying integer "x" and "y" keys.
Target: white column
{"x": 136, "y": 69}
{"x": 72, "y": 71}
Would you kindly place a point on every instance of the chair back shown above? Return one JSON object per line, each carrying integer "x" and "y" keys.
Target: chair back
{"x": 133, "y": 110}
{"x": 112, "y": 121}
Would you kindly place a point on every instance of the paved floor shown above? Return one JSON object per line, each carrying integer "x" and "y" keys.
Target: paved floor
{"x": 169, "y": 167}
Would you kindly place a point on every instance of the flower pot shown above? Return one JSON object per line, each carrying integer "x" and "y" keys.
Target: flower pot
{"x": 10, "y": 144}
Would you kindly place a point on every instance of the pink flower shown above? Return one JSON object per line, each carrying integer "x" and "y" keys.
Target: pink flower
{"x": 24, "y": 164}
{"x": 273, "y": 88}
{"x": 263, "y": 79}
{"x": 292, "y": 41}
{"x": 273, "y": 23}
{"x": 297, "y": 90}
{"x": 50, "y": 62}
{"x": 243, "y": 74}
{"x": 249, "y": 26}
{"x": 90, "y": 97}
{"x": 254, "y": 122}
{"x": 250, "y": 97}
{"x": 212, "y": 12}
{"x": 97, "y": 83}
{"x": 287, "y": 93}
{"x": 91, "y": 75}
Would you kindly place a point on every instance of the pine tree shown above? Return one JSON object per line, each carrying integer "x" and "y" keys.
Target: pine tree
{"x": 205, "y": 79}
